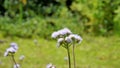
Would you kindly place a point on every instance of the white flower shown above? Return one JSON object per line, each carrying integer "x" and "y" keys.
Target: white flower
{"x": 65, "y": 31}
{"x": 49, "y": 65}
{"x": 21, "y": 57}
{"x": 60, "y": 41}
{"x": 14, "y": 45}
{"x": 11, "y": 49}
{"x": 65, "y": 58}
{"x": 6, "y": 53}
{"x": 35, "y": 40}
{"x": 53, "y": 67}
{"x": 78, "y": 38}
{"x": 68, "y": 39}
{"x": 55, "y": 34}
{"x": 75, "y": 37}
{"x": 61, "y": 32}
{"x": 16, "y": 66}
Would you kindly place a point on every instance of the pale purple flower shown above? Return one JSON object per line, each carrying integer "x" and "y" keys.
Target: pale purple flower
{"x": 68, "y": 39}
{"x": 11, "y": 50}
{"x": 55, "y": 34}
{"x": 60, "y": 41}
{"x": 64, "y": 31}
{"x": 49, "y": 65}
{"x": 14, "y": 45}
{"x": 75, "y": 37}
{"x": 61, "y": 32}
{"x": 16, "y": 66}
{"x": 6, "y": 53}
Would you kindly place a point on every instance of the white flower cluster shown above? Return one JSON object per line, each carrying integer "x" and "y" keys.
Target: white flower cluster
{"x": 67, "y": 37}
{"x": 61, "y": 32}
{"x": 12, "y": 49}
{"x": 75, "y": 38}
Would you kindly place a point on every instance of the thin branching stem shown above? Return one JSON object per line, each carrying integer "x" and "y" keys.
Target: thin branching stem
{"x": 14, "y": 60}
{"x": 68, "y": 51}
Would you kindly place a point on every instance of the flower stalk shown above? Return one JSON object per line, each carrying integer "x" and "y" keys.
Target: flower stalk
{"x": 66, "y": 39}
{"x": 14, "y": 61}
{"x": 68, "y": 52}
{"x": 10, "y": 52}
{"x": 73, "y": 51}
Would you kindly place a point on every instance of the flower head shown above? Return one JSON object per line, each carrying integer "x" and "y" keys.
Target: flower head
{"x": 14, "y": 45}
{"x": 50, "y": 66}
{"x": 61, "y": 32}
{"x": 11, "y": 49}
{"x": 55, "y": 34}
{"x": 21, "y": 57}
{"x": 16, "y": 66}
{"x": 75, "y": 37}
{"x": 6, "y": 53}
{"x": 65, "y": 31}
{"x": 60, "y": 41}
{"x": 68, "y": 39}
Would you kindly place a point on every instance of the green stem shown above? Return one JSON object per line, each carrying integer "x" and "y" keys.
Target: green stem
{"x": 21, "y": 12}
{"x": 14, "y": 60}
{"x": 74, "y": 55}
{"x": 68, "y": 56}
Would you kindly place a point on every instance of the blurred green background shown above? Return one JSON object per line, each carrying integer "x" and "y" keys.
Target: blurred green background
{"x": 97, "y": 21}
{"x": 28, "y": 18}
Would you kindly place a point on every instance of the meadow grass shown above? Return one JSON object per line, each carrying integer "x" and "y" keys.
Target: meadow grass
{"x": 93, "y": 52}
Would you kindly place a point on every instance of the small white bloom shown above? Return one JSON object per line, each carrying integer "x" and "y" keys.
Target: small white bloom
{"x": 72, "y": 36}
{"x": 64, "y": 31}
{"x": 60, "y": 41}
{"x": 6, "y": 53}
{"x": 67, "y": 30}
{"x": 65, "y": 58}
{"x": 55, "y": 34}
{"x": 75, "y": 37}
{"x": 35, "y": 40}
{"x": 68, "y": 39}
{"x": 21, "y": 57}
{"x": 78, "y": 38}
{"x": 14, "y": 45}
{"x": 16, "y": 66}
{"x": 49, "y": 65}
{"x": 53, "y": 66}
{"x": 11, "y": 49}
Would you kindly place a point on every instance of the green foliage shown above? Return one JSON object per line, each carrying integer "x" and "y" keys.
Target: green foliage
{"x": 26, "y": 18}
{"x": 117, "y": 21}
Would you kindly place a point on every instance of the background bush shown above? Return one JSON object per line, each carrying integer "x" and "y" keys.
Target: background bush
{"x": 24, "y": 18}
